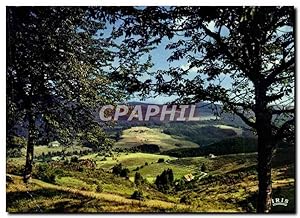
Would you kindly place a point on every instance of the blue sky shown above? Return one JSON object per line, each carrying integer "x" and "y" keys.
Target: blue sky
{"x": 159, "y": 58}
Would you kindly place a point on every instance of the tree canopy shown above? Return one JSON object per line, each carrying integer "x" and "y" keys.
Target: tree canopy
{"x": 242, "y": 57}
{"x": 58, "y": 61}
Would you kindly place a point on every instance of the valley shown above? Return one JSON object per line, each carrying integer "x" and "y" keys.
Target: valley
{"x": 83, "y": 180}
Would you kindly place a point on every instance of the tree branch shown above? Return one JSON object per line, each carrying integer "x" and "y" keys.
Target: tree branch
{"x": 292, "y": 110}
{"x": 281, "y": 132}
{"x": 271, "y": 77}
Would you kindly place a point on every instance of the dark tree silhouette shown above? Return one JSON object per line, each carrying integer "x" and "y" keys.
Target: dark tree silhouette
{"x": 56, "y": 74}
{"x": 251, "y": 48}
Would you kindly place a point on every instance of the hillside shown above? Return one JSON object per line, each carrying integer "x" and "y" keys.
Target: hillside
{"x": 136, "y": 136}
{"x": 234, "y": 145}
{"x": 44, "y": 197}
{"x": 229, "y": 185}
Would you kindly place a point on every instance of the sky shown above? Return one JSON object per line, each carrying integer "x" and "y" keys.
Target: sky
{"x": 159, "y": 58}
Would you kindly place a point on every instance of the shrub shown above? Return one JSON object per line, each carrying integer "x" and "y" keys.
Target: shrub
{"x": 161, "y": 160}
{"x": 137, "y": 195}
{"x": 146, "y": 164}
{"x": 138, "y": 179}
{"x": 180, "y": 185}
{"x": 136, "y": 169}
{"x": 185, "y": 200}
{"x": 74, "y": 159}
{"x": 15, "y": 145}
{"x": 203, "y": 168}
{"x": 165, "y": 180}
{"x": 59, "y": 173}
{"x": 99, "y": 188}
{"x": 120, "y": 171}
{"x": 147, "y": 148}
{"x": 124, "y": 172}
{"x": 45, "y": 173}
{"x": 9, "y": 179}
{"x": 117, "y": 169}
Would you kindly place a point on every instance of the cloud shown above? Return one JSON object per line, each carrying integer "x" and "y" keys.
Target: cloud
{"x": 211, "y": 26}
{"x": 193, "y": 69}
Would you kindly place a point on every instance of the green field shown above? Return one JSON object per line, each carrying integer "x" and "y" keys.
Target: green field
{"x": 134, "y": 160}
{"x": 225, "y": 193}
{"x": 46, "y": 197}
{"x": 229, "y": 184}
{"x": 39, "y": 150}
{"x": 143, "y": 135}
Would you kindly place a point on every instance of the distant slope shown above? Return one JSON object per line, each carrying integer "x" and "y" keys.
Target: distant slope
{"x": 227, "y": 146}
{"x": 238, "y": 131}
{"x": 206, "y": 111}
{"x": 136, "y": 136}
{"x": 202, "y": 134}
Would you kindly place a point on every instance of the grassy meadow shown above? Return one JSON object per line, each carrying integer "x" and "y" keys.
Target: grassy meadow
{"x": 88, "y": 184}
{"x": 143, "y": 135}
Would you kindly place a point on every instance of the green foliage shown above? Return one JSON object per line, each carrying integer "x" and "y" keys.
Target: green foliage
{"x": 203, "y": 168}
{"x": 59, "y": 69}
{"x": 74, "y": 159}
{"x": 224, "y": 185}
{"x": 124, "y": 172}
{"x": 150, "y": 140}
{"x": 180, "y": 185}
{"x": 186, "y": 199}
{"x": 45, "y": 173}
{"x": 200, "y": 134}
{"x": 137, "y": 195}
{"x": 253, "y": 47}
{"x": 164, "y": 181}
{"x": 14, "y": 146}
{"x": 138, "y": 179}
{"x": 57, "y": 75}
{"x": 117, "y": 169}
{"x": 226, "y": 146}
{"x": 147, "y": 148}
{"x": 120, "y": 171}
{"x": 99, "y": 188}
{"x": 96, "y": 139}
{"x": 160, "y": 160}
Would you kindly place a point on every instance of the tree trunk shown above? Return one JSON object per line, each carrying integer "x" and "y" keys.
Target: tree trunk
{"x": 30, "y": 148}
{"x": 265, "y": 150}
{"x": 264, "y": 173}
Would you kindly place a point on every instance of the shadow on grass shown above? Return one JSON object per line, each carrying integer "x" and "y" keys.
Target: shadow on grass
{"x": 286, "y": 192}
{"x": 45, "y": 201}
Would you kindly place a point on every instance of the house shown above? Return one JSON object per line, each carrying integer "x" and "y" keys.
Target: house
{"x": 212, "y": 156}
{"x": 188, "y": 177}
{"x": 54, "y": 144}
